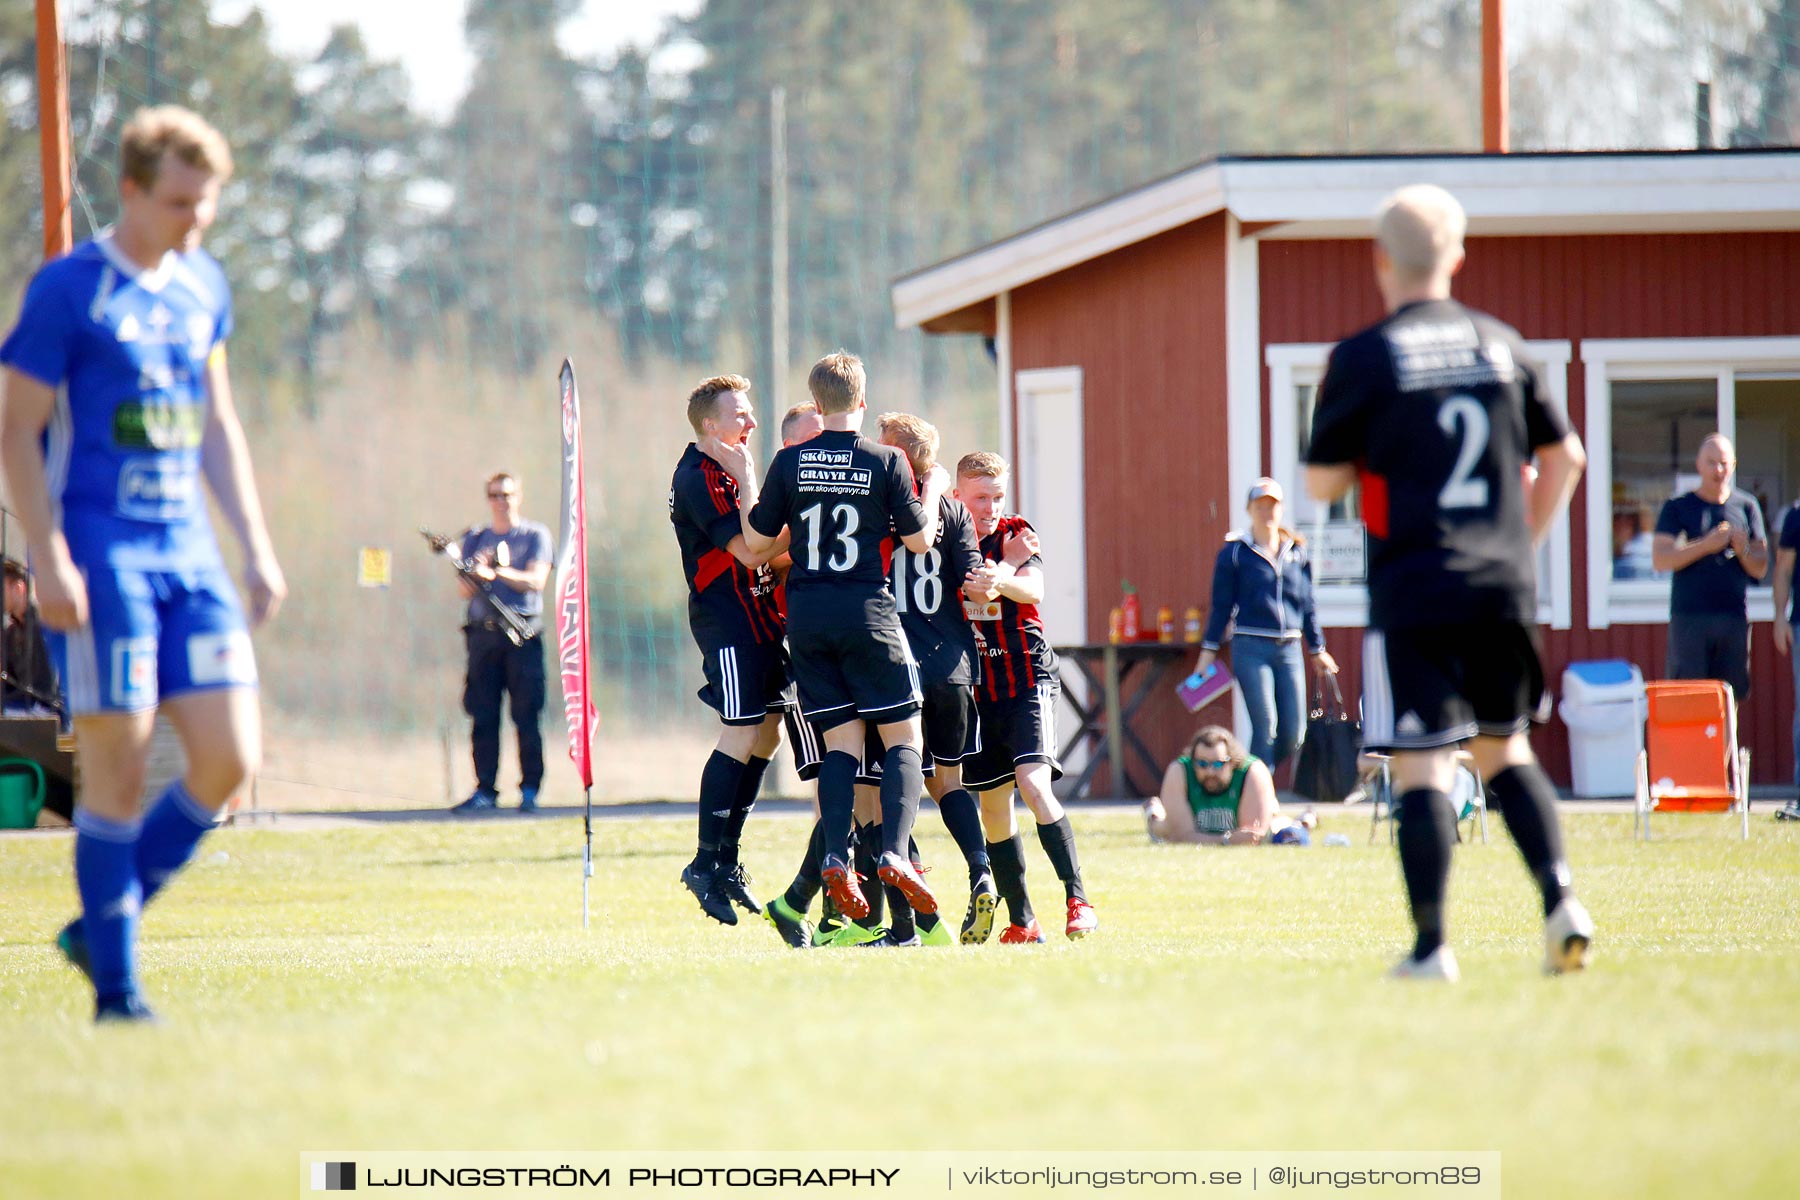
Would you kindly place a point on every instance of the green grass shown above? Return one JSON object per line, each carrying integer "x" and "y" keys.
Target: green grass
{"x": 429, "y": 987}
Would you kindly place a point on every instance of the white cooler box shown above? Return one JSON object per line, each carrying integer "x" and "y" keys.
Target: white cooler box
{"x": 1603, "y": 706}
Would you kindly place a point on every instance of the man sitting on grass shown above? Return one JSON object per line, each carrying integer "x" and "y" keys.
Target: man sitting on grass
{"x": 1219, "y": 794}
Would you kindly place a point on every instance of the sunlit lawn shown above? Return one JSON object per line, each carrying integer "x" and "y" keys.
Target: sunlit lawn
{"x": 429, "y": 986}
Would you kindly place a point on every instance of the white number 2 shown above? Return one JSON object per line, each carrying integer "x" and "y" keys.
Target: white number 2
{"x": 845, "y": 518}
{"x": 1463, "y": 490}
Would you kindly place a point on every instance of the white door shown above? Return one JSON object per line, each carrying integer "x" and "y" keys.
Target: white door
{"x": 1048, "y": 481}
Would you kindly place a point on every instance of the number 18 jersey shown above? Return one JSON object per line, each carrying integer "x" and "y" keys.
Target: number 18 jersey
{"x": 1439, "y": 412}
{"x": 928, "y": 591}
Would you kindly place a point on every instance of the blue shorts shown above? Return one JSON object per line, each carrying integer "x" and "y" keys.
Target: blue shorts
{"x": 152, "y": 635}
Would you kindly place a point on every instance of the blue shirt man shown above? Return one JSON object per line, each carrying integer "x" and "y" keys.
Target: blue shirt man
{"x": 1714, "y": 541}
{"x": 118, "y": 404}
{"x": 511, "y": 562}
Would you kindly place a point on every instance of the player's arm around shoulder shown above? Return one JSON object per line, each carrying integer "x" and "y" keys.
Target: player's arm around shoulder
{"x": 758, "y": 547}
{"x": 225, "y": 460}
{"x": 1020, "y": 575}
{"x": 922, "y": 510}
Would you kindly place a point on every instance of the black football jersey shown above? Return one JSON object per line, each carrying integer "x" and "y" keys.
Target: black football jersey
{"x": 843, "y": 498}
{"x": 728, "y": 603}
{"x": 1440, "y": 413}
{"x": 1015, "y": 655}
{"x": 928, "y": 592}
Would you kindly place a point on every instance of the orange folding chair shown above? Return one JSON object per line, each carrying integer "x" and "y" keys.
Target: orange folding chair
{"x": 1691, "y": 761}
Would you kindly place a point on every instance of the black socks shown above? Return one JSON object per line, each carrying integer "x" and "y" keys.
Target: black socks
{"x": 1427, "y": 833}
{"x": 1526, "y": 799}
{"x": 1058, "y": 841}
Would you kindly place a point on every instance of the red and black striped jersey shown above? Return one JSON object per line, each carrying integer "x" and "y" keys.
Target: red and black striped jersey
{"x": 1015, "y": 657}
{"x": 728, "y": 603}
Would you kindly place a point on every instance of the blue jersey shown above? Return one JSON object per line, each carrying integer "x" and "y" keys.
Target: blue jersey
{"x": 126, "y": 350}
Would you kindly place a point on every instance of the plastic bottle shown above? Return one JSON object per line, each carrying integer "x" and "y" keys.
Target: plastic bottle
{"x": 1134, "y": 614}
{"x": 1191, "y": 627}
{"x": 1165, "y": 624}
{"x": 1115, "y": 625}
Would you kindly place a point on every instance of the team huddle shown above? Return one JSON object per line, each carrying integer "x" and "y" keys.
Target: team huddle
{"x": 900, "y": 604}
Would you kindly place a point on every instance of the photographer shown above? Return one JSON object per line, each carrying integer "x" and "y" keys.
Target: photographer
{"x": 509, "y": 561}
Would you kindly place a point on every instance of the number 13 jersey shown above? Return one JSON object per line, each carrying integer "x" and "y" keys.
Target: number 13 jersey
{"x": 843, "y": 498}
{"x": 1439, "y": 412}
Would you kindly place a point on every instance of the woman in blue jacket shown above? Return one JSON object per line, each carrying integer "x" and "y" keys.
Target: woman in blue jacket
{"x": 1262, "y": 590}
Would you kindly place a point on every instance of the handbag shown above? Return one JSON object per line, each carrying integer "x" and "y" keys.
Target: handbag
{"x": 1326, "y": 770}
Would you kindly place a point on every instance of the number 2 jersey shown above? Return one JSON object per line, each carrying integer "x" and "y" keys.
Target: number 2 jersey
{"x": 928, "y": 592}
{"x": 1015, "y": 655}
{"x": 126, "y": 350}
{"x": 842, "y": 498}
{"x": 728, "y": 603}
{"x": 1440, "y": 414}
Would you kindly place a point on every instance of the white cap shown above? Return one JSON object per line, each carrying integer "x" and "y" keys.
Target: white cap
{"x": 1264, "y": 487}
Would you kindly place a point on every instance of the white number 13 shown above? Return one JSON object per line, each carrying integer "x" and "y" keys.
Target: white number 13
{"x": 846, "y": 520}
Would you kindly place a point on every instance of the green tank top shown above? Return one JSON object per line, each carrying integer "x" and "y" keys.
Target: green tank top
{"x": 1215, "y": 813}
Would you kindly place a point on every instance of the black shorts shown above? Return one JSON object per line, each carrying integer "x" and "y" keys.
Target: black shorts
{"x": 744, "y": 684}
{"x": 1014, "y": 733}
{"x": 1710, "y": 646}
{"x": 808, "y": 741}
{"x": 1434, "y": 686}
{"x": 952, "y": 724}
{"x": 854, "y": 672}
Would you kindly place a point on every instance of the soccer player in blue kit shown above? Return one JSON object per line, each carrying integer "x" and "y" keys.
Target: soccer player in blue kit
{"x": 117, "y": 405}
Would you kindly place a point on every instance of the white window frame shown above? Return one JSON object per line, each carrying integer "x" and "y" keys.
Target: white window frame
{"x": 1606, "y": 361}
{"x": 1346, "y": 605}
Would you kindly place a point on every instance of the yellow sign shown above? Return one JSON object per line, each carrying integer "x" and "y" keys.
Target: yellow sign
{"x": 375, "y": 568}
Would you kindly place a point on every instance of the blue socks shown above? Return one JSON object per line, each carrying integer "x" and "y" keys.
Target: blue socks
{"x": 119, "y": 866}
{"x": 106, "y": 875}
{"x": 172, "y": 828}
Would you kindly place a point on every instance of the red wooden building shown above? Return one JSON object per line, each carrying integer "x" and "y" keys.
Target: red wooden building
{"x": 1159, "y": 350}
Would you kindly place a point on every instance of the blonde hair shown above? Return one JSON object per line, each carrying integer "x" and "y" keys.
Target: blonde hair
{"x": 980, "y": 464}
{"x": 703, "y": 401}
{"x": 915, "y": 435}
{"x": 502, "y": 477}
{"x": 803, "y": 409}
{"x": 1218, "y": 735}
{"x": 837, "y": 382}
{"x": 170, "y": 129}
{"x": 1421, "y": 228}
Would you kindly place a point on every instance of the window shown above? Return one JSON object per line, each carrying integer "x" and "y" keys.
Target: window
{"x": 1656, "y": 430}
{"x": 1649, "y": 404}
{"x": 1336, "y": 534}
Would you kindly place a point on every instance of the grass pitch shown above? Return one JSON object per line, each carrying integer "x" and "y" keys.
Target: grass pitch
{"x": 429, "y": 987}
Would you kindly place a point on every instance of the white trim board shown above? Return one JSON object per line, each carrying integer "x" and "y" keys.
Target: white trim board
{"x": 1606, "y": 361}
{"x": 1678, "y": 191}
{"x": 1344, "y": 605}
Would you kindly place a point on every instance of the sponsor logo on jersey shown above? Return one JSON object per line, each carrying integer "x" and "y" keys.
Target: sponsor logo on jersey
{"x": 151, "y": 490}
{"x": 133, "y": 672}
{"x": 221, "y": 658}
{"x": 157, "y": 425}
